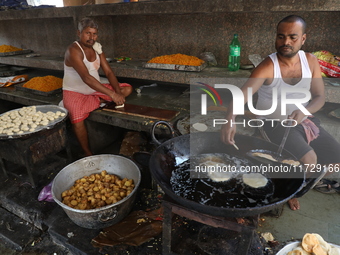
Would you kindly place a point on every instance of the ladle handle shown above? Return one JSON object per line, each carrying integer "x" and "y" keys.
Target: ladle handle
{"x": 154, "y": 128}
{"x": 284, "y": 139}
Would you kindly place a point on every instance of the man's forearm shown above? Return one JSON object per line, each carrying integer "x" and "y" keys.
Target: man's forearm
{"x": 316, "y": 104}
{"x": 96, "y": 85}
{"x": 229, "y": 115}
{"x": 114, "y": 82}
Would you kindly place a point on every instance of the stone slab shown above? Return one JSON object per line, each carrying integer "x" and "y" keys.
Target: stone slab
{"x": 14, "y": 232}
{"x": 18, "y": 197}
{"x": 318, "y": 214}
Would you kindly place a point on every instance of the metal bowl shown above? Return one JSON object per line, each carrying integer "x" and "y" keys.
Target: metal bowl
{"x": 106, "y": 215}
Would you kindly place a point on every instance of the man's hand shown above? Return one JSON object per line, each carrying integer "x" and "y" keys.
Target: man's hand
{"x": 298, "y": 116}
{"x": 118, "y": 98}
{"x": 227, "y": 133}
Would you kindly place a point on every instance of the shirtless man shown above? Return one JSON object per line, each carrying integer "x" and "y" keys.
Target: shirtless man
{"x": 289, "y": 67}
{"x": 82, "y": 90}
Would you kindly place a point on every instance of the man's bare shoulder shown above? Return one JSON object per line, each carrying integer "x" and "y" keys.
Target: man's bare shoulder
{"x": 264, "y": 70}
{"x": 73, "y": 47}
{"x": 73, "y": 53}
{"x": 313, "y": 65}
{"x": 310, "y": 57}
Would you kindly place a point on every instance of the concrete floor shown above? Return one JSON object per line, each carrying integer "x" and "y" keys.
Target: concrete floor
{"x": 319, "y": 213}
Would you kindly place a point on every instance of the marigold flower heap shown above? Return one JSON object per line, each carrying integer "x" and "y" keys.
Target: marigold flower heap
{"x": 8, "y": 48}
{"x": 177, "y": 59}
{"x": 45, "y": 84}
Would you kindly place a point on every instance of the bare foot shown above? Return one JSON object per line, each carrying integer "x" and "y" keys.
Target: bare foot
{"x": 294, "y": 204}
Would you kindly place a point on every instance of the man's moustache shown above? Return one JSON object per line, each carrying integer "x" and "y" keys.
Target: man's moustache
{"x": 285, "y": 46}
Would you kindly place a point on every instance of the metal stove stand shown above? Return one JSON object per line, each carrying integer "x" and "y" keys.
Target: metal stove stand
{"x": 171, "y": 207}
{"x": 31, "y": 149}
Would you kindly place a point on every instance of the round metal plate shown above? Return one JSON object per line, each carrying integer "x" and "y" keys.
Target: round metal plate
{"x": 186, "y": 125}
{"x": 44, "y": 109}
{"x": 291, "y": 246}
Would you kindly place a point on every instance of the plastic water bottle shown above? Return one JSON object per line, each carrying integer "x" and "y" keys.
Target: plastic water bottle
{"x": 234, "y": 54}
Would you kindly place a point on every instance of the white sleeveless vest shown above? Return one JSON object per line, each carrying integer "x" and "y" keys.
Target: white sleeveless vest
{"x": 72, "y": 80}
{"x": 265, "y": 93}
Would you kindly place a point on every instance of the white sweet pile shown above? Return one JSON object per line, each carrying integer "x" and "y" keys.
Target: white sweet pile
{"x": 26, "y": 119}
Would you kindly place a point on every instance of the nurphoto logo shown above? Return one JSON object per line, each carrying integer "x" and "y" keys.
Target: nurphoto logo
{"x": 288, "y": 97}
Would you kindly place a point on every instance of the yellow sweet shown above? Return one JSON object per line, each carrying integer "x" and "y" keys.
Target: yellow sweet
{"x": 8, "y": 48}
{"x": 46, "y": 83}
{"x": 177, "y": 59}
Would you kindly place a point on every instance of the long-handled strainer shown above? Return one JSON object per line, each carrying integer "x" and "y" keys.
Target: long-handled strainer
{"x": 283, "y": 142}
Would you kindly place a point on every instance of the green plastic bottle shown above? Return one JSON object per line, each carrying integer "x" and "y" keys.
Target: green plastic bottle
{"x": 234, "y": 54}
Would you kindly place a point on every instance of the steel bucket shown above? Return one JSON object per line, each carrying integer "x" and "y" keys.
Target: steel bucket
{"x": 107, "y": 215}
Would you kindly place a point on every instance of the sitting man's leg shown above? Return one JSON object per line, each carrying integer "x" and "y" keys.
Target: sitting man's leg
{"x": 325, "y": 152}
{"x": 80, "y": 131}
{"x": 309, "y": 159}
{"x": 79, "y": 107}
{"x": 125, "y": 89}
{"x": 296, "y": 144}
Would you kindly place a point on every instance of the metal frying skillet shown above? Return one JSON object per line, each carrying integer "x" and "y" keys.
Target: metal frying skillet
{"x": 167, "y": 156}
{"x": 276, "y": 155}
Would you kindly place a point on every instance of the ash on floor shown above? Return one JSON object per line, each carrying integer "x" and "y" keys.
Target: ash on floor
{"x": 191, "y": 237}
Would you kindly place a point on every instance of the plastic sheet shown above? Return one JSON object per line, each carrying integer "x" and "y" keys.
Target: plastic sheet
{"x": 46, "y": 193}
{"x": 329, "y": 63}
{"x": 209, "y": 57}
{"x": 137, "y": 228}
{"x": 255, "y": 59}
{"x": 13, "y": 4}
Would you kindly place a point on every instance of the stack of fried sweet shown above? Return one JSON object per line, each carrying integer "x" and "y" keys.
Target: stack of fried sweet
{"x": 316, "y": 245}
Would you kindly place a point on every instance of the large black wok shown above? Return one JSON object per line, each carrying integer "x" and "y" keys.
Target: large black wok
{"x": 164, "y": 158}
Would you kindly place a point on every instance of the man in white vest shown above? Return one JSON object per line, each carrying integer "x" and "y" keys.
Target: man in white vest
{"x": 291, "y": 67}
{"x": 82, "y": 90}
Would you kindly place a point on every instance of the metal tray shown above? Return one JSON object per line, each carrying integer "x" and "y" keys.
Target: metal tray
{"x": 18, "y": 52}
{"x": 185, "y": 125}
{"x": 6, "y": 70}
{"x": 38, "y": 92}
{"x": 44, "y": 109}
{"x": 175, "y": 67}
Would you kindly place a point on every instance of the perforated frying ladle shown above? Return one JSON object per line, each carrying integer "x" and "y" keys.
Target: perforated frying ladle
{"x": 284, "y": 139}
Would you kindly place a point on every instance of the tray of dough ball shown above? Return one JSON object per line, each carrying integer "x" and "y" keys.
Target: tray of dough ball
{"x": 30, "y": 119}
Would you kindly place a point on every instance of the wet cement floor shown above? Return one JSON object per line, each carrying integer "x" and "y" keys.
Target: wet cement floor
{"x": 319, "y": 213}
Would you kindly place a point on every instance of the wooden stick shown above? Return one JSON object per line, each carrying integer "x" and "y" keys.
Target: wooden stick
{"x": 235, "y": 146}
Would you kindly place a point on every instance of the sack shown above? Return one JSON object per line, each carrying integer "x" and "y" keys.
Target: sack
{"x": 329, "y": 63}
